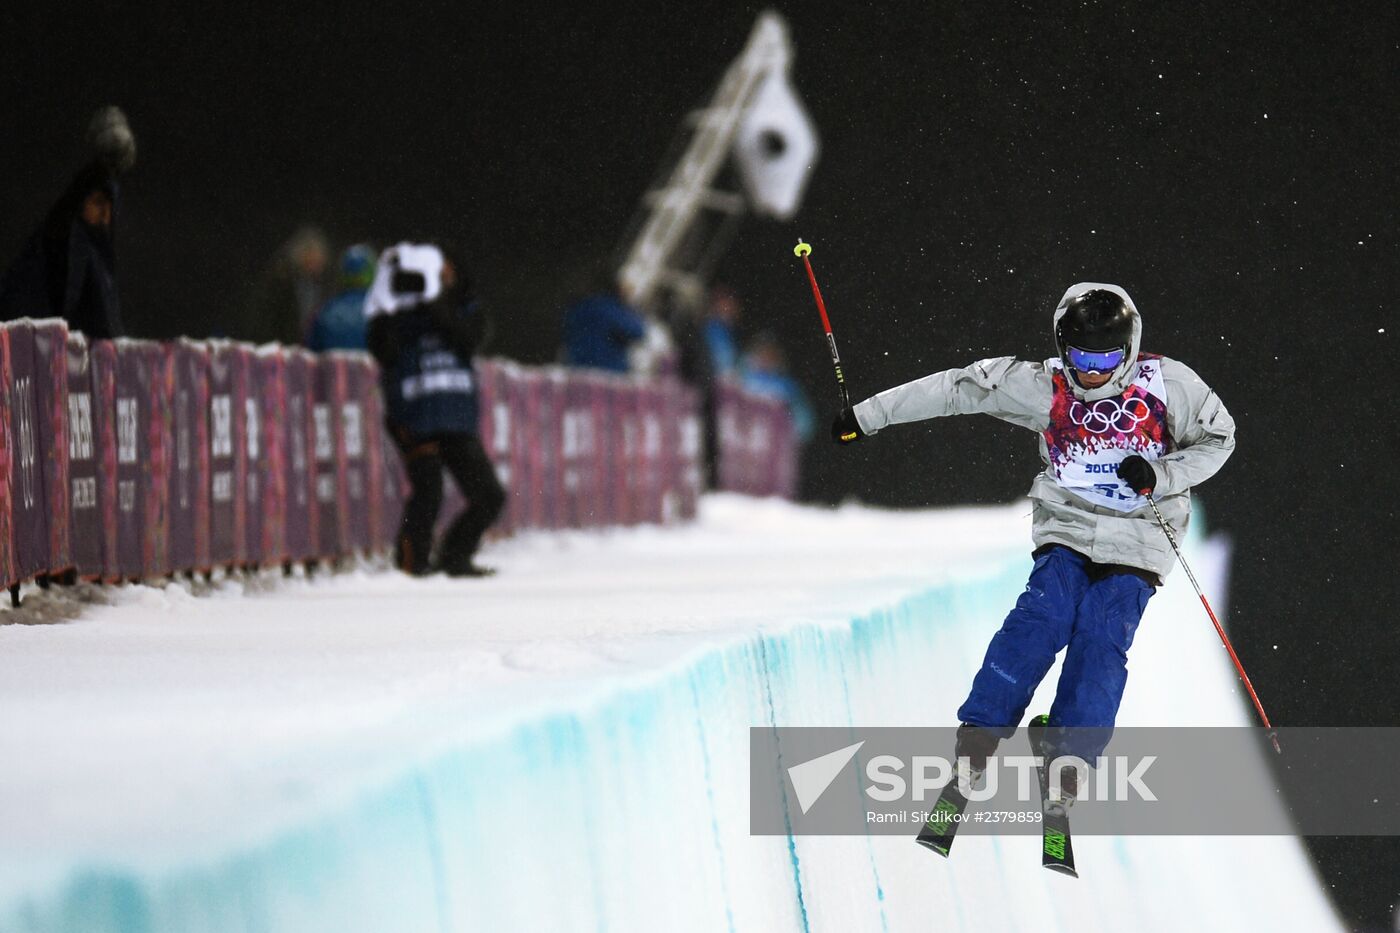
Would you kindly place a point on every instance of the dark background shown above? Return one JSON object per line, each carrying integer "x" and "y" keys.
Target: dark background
{"x": 1232, "y": 167}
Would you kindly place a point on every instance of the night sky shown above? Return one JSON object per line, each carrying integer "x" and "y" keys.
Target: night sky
{"x": 1232, "y": 167}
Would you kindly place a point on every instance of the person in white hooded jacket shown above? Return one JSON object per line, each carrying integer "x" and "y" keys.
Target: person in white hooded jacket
{"x": 1115, "y": 425}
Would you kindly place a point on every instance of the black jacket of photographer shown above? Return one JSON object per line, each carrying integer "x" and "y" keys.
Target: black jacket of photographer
{"x": 425, "y": 355}
{"x": 68, "y": 269}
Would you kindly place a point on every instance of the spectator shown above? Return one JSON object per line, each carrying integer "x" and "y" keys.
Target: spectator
{"x": 340, "y": 324}
{"x": 695, "y": 368}
{"x": 600, "y": 328}
{"x": 68, "y": 267}
{"x": 764, "y": 370}
{"x": 692, "y": 354}
{"x": 656, "y": 354}
{"x": 723, "y": 313}
{"x": 289, "y": 291}
{"x": 424, "y": 328}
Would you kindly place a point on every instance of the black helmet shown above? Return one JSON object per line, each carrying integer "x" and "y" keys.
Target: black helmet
{"x": 1096, "y": 320}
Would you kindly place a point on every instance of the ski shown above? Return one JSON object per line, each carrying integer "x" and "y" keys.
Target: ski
{"x": 1056, "y": 848}
{"x": 944, "y": 819}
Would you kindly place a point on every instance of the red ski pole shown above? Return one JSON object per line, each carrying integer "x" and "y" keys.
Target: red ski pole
{"x": 1219, "y": 630}
{"x": 803, "y": 250}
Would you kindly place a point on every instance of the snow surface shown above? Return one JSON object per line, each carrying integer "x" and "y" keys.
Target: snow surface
{"x": 359, "y": 751}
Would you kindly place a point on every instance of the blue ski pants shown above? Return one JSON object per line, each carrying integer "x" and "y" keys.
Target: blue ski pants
{"x": 1068, "y": 602}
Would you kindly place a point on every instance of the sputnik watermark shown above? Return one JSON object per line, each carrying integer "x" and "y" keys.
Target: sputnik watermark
{"x": 1118, "y": 778}
{"x": 1115, "y": 778}
{"x": 1158, "y": 781}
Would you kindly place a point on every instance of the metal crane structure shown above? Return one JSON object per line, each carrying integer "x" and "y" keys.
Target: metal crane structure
{"x": 684, "y": 225}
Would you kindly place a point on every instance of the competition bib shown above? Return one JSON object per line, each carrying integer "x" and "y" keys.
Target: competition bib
{"x": 1087, "y": 440}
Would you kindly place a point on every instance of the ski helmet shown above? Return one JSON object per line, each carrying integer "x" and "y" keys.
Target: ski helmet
{"x": 1101, "y": 320}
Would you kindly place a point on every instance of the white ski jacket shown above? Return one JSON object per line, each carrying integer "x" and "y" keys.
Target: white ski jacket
{"x": 1200, "y": 438}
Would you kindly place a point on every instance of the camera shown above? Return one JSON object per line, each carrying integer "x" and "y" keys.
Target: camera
{"x": 408, "y": 283}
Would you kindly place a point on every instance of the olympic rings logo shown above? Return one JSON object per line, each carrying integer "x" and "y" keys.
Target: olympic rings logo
{"x": 1109, "y": 414}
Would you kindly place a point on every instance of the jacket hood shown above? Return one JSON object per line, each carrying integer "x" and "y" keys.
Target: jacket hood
{"x": 1123, "y": 375}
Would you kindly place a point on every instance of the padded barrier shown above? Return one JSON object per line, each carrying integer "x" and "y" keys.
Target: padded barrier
{"x": 300, "y": 516}
{"x": 83, "y": 509}
{"x": 132, "y": 459}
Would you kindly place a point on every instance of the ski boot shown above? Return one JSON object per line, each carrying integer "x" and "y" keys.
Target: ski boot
{"x": 975, "y": 744}
{"x": 1058, "y": 801}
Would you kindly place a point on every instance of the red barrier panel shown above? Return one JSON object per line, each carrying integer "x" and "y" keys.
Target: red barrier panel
{"x": 545, "y": 478}
{"x": 157, "y": 424}
{"x": 602, "y": 508}
{"x": 359, "y": 384}
{"x": 493, "y": 429}
{"x": 529, "y": 499}
{"x": 522, "y": 461}
{"x": 267, "y": 452}
{"x": 332, "y": 504}
{"x": 577, "y": 430}
{"x": 546, "y": 399}
{"x": 627, "y": 413}
{"x": 102, "y": 363}
{"x": 651, "y": 410}
{"x": 249, "y": 441}
{"x": 756, "y": 439}
{"x": 633, "y": 426}
{"x": 187, "y": 380}
{"x": 729, "y": 437}
{"x": 7, "y": 471}
{"x": 679, "y": 461}
{"x": 668, "y": 459}
{"x": 386, "y": 469}
{"x": 783, "y": 465}
{"x": 140, "y": 413}
{"x": 255, "y": 499}
{"x": 301, "y": 514}
{"x": 777, "y": 459}
{"x": 133, "y": 389}
{"x": 30, "y": 527}
{"x": 502, "y": 427}
{"x": 635, "y": 449}
{"x": 395, "y": 489}
{"x": 685, "y": 412}
{"x": 228, "y": 454}
{"x": 758, "y": 450}
{"x": 608, "y": 457}
{"x": 382, "y": 494}
{"x": 51, "y": 398}
{"x": 84, "y": 514}
{"x": 188, "y": 456}
{"x": 613, "y": 465}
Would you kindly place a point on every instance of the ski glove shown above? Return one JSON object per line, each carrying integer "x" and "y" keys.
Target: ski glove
{"x": 845, "y": 429}
{"x": 1138, "y": 473}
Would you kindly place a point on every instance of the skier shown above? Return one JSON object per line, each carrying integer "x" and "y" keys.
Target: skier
{"x": 1115, "y": 425}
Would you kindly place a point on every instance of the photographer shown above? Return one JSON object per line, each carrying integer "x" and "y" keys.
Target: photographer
{"x": 68, "y": 268}
{"x": 423, "y": 328}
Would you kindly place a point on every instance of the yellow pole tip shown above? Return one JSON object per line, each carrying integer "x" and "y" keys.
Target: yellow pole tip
{"x": 802, "y": 249}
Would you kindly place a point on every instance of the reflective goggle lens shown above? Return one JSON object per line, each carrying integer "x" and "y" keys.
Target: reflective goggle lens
{"x": 1095, "y": 361}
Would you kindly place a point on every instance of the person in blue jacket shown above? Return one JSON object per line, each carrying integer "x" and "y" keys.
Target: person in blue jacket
{"x": 599, "y": 329}
{"x": 764, "y": 370}
{"x": 424, "y": 328}
{"x": 340, "y": 323}
{"x": 721, "y": 318}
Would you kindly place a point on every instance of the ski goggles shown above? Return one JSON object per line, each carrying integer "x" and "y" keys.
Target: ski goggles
{"x": 1095, "y": 361}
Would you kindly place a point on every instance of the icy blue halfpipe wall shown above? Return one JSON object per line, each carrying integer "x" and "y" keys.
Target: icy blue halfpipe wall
{"x": 631, "y": 813}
